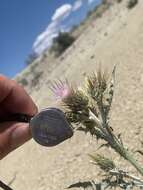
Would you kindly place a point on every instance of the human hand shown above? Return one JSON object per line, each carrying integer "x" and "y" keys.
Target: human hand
{"x": 13, "y": 99}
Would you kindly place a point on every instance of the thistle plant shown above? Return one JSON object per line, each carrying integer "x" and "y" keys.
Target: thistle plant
{"x": 87, "y": 109}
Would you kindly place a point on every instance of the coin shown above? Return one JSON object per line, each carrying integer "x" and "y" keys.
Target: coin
{"x": 50, "y": 127}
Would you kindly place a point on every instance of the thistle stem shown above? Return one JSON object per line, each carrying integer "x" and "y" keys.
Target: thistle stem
{"x": 117, "y": 146}
{"x": 126, "y": 155}
{"x": 131, "y": 159}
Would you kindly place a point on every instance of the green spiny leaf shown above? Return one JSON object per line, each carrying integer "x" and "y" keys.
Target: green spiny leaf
{"x": 104, "y": 163}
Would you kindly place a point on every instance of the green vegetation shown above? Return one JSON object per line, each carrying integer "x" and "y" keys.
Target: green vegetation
{"x": 99, "y": 10}
{"x": 61, "y": 43}
{"x": 131, "y": 3}
{"x": 23, "y": 82}
{"x": 119, "y": 1}
{"x": 36, "y": 78}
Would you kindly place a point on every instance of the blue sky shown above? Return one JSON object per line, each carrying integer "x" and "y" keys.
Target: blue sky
{"x": 29, "y": 25}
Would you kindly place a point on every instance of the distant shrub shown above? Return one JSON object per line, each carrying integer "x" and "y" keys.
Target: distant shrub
{"x": 61, "y": 43}
{"x": 36, "y": 78}
{"x": 119, "y": 1}
{"x": 104, "y": 1}
{"x": 31, "y": 57}
{"x": 82, "y": 22}
{"x": 131, "y": 3}
{"x": 100, "y": 9}
{"x": 74, "y": 28}
{"x": 89, "y": 13}
{"x": 23, "y": 82}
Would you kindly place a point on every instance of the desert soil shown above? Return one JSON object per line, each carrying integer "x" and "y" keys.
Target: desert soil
{"x": 116, "y": 38}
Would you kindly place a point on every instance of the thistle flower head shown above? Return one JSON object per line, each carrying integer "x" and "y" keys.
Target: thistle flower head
{"x": 96, "y": 84}
{"x": 74, "y": 102}
{"x": 100, "y": 88}
{"x": 76, "y": 105}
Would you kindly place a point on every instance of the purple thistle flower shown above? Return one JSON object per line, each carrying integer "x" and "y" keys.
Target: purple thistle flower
{"x": 61, "y": 89}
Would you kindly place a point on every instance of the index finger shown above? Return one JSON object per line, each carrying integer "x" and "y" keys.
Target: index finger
{"x": 14, "y": 99}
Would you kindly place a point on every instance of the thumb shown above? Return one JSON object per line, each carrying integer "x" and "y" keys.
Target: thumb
{"x": 13, "y": 135}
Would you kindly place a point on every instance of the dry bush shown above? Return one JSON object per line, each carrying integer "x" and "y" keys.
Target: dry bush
{"x": 23, "y": 82}
{"x": 132, "y": 3}
{"x": 61, "y": 43}
{"x": 119, "y": 1}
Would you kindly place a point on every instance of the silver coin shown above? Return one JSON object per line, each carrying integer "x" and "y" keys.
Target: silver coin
{"x": 50, "y": 127}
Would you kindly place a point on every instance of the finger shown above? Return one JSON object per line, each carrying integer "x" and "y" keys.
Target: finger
{"x": 13, "y": 135}
{"x": 14, "y": 99}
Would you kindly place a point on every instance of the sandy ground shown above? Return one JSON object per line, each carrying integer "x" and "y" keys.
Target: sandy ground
{"x": 116, "y": 38}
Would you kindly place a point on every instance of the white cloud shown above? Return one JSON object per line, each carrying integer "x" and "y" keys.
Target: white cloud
{"x": 77, "y": 5}
{"x": 62, "y": 12}
{"x": 44, "y": 40}
{"x": 90, "y": 1}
